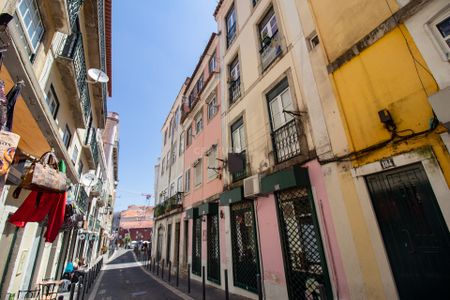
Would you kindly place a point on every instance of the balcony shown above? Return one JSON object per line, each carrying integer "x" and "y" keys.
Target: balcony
{"x": 270, "y": 50}
{"x": 64, "y": 14}
{"x": 286, "y": 141}
{"x": 169, "y": 205}
{"x": 82, "y": 200}
{"x": 97, "y": 190}
{"x": 72, "y": 65}
{"x": 91, "y": 146}
{"x": 234, "y": 89}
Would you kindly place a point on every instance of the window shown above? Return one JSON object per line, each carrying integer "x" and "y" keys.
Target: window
{"x": 238, "y": 136}
{"x": 269, "y": 39}
{"x": 279, "y": 102}
{"x": 441, "y": 28}
{"x": 235, "y": 81}
{"x": 255, "y": 2}
{"x": 212, "y": 162}
{"x": 172, "y": 189}
{"x": 212, "y": 107}
{"x": 52, "y": 102}
{"x": 177, "y": 115}
{"x": 313, "y": 41}
{"x": 199, "y": 122}
{"x": 31, "y": 22}
{"x": 198, "y": 172}
{"x": 199, "y": 85}
{"x": 230, "y": 21}
{"x": 165, "y": 137}
{"x": 75, "y": 154}
{"x": 212, "y": 63}
{"x": 268, "y": 28}
{"x": 67, "y": 136}
{"x": 80, "y": 167}
{"x": 174, "y": 152}
{"x": 180, "y": 184}
{"x": 187, "y": 180}
{"x": 189, "y": 136}
{"x": 181, "y": 150}
{"x": 162, "y": 166}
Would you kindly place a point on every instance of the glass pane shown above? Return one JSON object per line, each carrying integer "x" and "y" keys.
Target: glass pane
{"x": 444, "y": 27}
{"x": 287, "y": 104}
{"x": 236, "y": 141}
{"x": 242, "y": 138}
{"x": 275, "y": 111}
{"x": 22, "y": 7}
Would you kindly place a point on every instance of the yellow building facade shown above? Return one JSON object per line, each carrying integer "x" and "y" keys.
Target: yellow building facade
{"x": 394, "y": 171}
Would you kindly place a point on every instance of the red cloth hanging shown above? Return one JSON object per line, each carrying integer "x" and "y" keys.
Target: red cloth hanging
{"x": 35, "y": 210}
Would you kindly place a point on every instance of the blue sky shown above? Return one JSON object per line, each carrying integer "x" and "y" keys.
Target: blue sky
{"x": 155, "y": 46}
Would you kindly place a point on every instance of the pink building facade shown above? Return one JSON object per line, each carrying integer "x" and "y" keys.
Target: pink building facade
{"x": 203, "y": 166}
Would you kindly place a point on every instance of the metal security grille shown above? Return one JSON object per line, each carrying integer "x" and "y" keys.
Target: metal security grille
{"x": 169, "y": 242}
{"x": 176, "y": 257}
{"x": 306, "y": 271}
{"x": 213, "y": 249}
{"x": 197, "y": 247}
{"x": 244, "y": 246}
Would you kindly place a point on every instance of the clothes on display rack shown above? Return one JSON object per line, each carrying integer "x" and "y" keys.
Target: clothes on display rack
{"x": 39, "y": 205}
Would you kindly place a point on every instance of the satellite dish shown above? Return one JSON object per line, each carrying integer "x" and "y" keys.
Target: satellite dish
{"x": 89, "y": 178}
{"x": 97, "y": 76}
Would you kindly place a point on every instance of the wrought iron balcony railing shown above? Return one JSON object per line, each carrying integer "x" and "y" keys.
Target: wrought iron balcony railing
{"x": 286, "y": 141}
{"x": 234, "y": 90}
{"x": 73, "y": 50}
{"x": 242, "y": 174}
{"x": 270, "y": 49}
{"x": 82, "y": 200}
{"x": 73, "y": 6}
{"x": 170, "y": 204}
{"x": 91, "y": 141}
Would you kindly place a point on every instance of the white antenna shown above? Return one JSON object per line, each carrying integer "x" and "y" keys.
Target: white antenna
{"x": 97, "y": 76}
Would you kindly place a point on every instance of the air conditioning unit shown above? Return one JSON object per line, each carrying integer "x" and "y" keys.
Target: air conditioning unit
{"x": 252, "y": 186}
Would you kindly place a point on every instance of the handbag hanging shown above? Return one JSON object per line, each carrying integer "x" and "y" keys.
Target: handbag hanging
{"x": 44, "y": 176}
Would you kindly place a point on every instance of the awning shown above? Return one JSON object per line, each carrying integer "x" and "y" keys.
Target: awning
{"x": 208, "y": 208}
{"x": 231, "y": 196}
{"x": 191, "y": 213}
{"x": 294, "y": 176}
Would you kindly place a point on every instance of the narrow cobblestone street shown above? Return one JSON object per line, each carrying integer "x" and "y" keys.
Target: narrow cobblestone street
{"x": 123, "y": 278}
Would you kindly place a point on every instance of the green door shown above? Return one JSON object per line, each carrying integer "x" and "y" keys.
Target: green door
{"x": 197, "y": 246}
{"x": 414, "y": 232}
{"x": 244, "y": 246}
{"x": 213, "y": 266}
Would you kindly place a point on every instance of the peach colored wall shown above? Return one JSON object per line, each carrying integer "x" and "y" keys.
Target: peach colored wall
{"x": 335, "y": 264}
{"x": 269, "y": 240}
{"x": 211, "y": 134}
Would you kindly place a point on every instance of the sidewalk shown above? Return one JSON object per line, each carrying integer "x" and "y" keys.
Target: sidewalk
{"x": 211, "y": 292}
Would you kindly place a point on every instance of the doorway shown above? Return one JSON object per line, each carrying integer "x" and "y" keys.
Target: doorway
{"x": 414, "y": 232}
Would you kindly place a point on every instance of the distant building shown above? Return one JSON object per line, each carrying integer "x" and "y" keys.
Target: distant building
{"x": 137, "y": 222}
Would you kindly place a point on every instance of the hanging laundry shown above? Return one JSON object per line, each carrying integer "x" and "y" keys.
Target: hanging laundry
{"x": 12, "y": 96}
{"x": 39, "y": 205}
